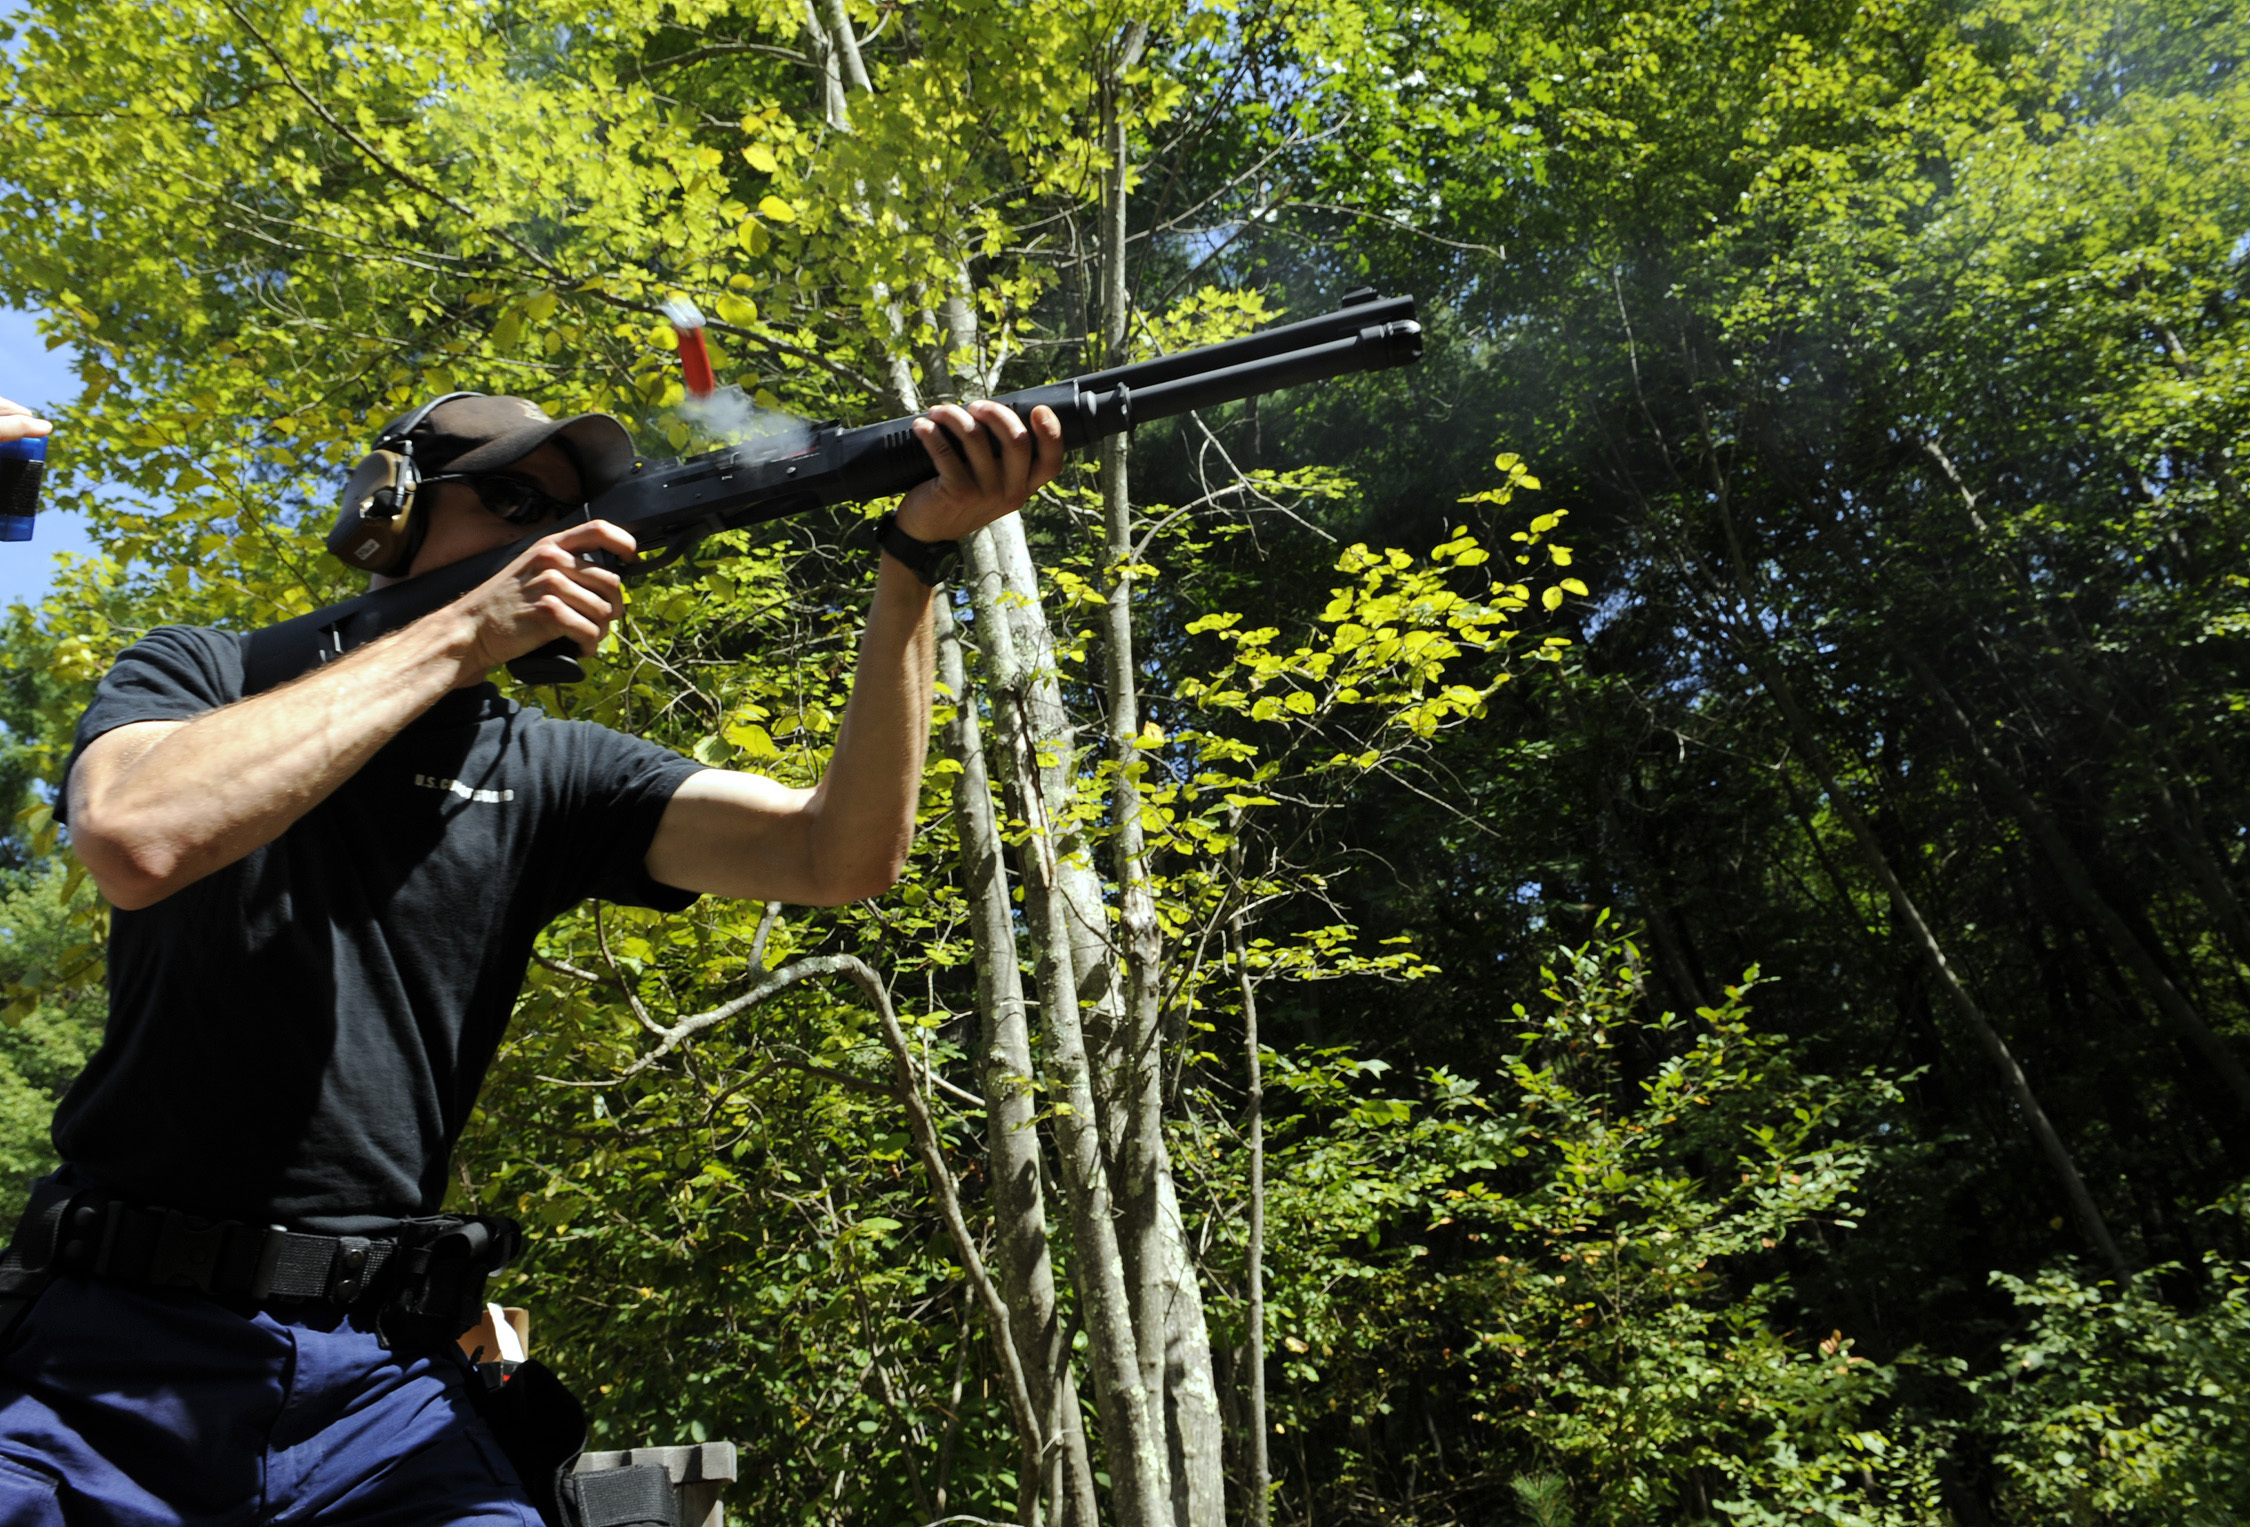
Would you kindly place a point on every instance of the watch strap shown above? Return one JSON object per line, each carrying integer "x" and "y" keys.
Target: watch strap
{"x": 926, "y": 560}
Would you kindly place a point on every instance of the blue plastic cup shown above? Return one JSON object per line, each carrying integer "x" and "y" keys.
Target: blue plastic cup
{"x": 22, "y": 464}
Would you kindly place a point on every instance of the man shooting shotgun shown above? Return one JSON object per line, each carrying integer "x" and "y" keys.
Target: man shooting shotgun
{"x": 330, "y": 846}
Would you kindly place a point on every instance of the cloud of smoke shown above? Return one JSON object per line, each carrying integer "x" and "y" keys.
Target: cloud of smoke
{"x": 725, "y": 414}
{"x": 731, "y": 417}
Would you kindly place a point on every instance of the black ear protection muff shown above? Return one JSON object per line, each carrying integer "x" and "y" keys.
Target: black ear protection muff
{"x": 377, "y": 530}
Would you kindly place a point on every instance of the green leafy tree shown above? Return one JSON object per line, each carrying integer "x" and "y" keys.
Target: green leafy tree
{"x": 2124, "y": 1403}
{"x": 55, "y": 1015}
{"x": 1582, "y": 1274}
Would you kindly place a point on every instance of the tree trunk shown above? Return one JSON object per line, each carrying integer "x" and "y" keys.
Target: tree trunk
{"x": 1034, "y": 758}
{"x": 844, "y": 46}
{"x": 1001, "y": 554}
{"x": 1134, "y": 1280}
{"x": 1030, "y": 1429}
{"x": 2050, "y": 1142}
{"x": 1254, "y": 1272}
{"x": 1175, "y": 1344}
{"x": 826, "y": 55}
{"x": 1004, "y": 1075}
{"x": 1191, "y": 1392}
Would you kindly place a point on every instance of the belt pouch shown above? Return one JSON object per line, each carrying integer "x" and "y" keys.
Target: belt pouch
{"x": 441, "y": 1269}
{"x": 641, "y": 1495}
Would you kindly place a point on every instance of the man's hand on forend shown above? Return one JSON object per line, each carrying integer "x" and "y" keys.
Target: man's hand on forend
{"x": 977, "y": 484}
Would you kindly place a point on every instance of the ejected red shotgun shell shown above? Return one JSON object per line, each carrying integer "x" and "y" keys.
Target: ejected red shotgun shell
{"x": 695, "y": 360}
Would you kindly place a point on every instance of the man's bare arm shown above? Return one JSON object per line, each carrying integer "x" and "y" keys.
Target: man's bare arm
{"x": 749, "y": 837}
{"x": 745, "y": 836}
{"x": 158, "y": 805}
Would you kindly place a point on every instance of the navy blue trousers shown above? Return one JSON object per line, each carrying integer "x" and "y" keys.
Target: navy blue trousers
{"x": 164, "y": 1408}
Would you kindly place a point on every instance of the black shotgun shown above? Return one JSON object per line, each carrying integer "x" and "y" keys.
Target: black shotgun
{"x": 670, "y": 506}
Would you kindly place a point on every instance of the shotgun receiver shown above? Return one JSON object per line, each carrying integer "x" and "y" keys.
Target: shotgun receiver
{"x": 668, "y": 507}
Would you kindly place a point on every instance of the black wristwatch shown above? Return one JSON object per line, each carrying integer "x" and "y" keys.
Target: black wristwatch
{"x": 926, "y": 560}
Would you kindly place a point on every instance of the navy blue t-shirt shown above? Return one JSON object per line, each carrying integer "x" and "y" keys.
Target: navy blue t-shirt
{"x": 299, "y": 1037}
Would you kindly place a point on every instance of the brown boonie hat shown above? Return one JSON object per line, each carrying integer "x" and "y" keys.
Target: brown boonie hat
{"x": 484, "y": 433}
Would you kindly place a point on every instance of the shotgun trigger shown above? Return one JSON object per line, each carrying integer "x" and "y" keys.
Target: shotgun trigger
{"x": 675, "y": 550}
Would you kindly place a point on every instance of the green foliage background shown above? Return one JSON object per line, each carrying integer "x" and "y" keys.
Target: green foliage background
{"x": 1894, "y": 349}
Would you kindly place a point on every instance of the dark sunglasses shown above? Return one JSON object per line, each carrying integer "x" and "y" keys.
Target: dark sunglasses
{"x": 513, "y": 499}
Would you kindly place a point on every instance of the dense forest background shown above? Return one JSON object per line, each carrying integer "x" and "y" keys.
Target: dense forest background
{"x": 1751, "y": 978}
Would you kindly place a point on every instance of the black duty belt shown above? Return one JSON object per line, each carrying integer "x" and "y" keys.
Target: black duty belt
{"x": 165, "y": 1247}
{"x": 427, "y": 1280}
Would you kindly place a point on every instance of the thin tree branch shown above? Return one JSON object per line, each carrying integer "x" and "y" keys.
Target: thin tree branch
{"x": 1498, "y": 252}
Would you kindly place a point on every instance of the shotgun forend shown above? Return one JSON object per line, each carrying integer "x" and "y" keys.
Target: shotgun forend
{"x": 670, "y": 506}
